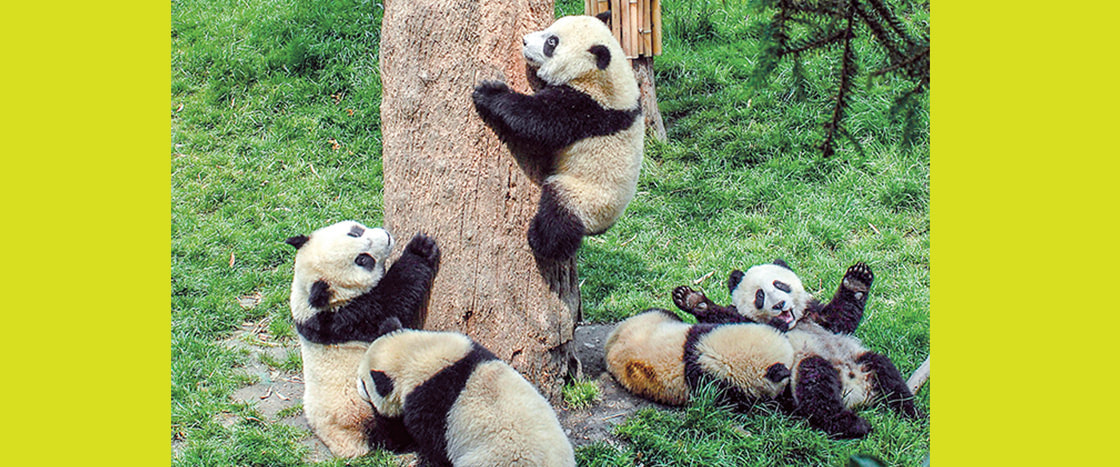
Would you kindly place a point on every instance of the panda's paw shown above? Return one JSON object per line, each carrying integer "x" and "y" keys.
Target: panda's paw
{"x": 689, "y": 300}
{"x": 425, "y": 248}
{"x": 488, "y": 89}
{"x": 857, "y": 281}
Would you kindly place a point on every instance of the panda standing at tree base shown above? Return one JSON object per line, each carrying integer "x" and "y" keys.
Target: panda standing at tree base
{"x": 585, "y": 124}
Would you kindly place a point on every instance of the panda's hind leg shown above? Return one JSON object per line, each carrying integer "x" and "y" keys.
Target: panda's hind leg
{"x": 889, "y": 383}
{"x": 556, "y": 231}
{"x": 817, "y": 392}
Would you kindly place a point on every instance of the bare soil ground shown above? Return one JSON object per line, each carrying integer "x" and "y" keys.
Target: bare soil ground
{"x": 277, "y": 390}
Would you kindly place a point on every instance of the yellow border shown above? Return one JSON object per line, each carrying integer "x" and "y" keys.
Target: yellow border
{"x": 86, "y": 229}
{"x": 1024, "y": 191}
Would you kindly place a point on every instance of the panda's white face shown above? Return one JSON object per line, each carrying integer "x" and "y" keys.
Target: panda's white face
{"x": 339, "y": 262}
{"x": 571, "y": 48}
{"x": 770, "y": 294}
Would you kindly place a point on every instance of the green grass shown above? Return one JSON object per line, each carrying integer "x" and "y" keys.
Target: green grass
{"x": 580, "y": 394}
{"x": 275, "y": 131}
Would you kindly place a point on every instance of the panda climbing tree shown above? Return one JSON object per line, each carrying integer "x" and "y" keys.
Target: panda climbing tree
{"x": 448, "y": 175}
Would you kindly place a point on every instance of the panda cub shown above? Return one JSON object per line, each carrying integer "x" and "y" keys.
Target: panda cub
{"x": 341, "y": 292}
{"x": 585, "y": 124}
{"x": 833, "y": 372}
{"x": 461, "y": 404}
{"x": 659, "y": 357}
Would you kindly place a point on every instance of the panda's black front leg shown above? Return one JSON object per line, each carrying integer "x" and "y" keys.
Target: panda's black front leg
{"x": 889, "y": 383}
{"x": 549, "y": 120}
{"x": 844, "y": 312}
{"x": 818, "y": 399}
{"x": 405, "y": 287}
{"x": 697, "y": 304}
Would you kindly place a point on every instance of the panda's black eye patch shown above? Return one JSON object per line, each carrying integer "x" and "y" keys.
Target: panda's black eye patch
{"x": 784, "y": 287}
{"x": 759, "y": 299}
{"x": 550, "y": 45}
{"x": 356, "y": 231}
{"x": 381, "y": 382}
{"x": 366, "y": 261}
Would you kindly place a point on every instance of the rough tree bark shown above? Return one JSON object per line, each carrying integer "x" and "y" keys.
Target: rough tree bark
{"x": 448, "y": 175}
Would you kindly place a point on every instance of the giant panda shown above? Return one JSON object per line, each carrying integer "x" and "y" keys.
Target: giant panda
{"x": 584, "y": 125}
{"x": 461, "y": 404}
{"x": 833, "y": 373}
{"x": 657, "y": 356}
{"x": 341, "y": 292}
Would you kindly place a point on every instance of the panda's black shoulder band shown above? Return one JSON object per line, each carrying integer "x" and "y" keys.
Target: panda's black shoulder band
{"x": 426, "y": 407}
{"x": 692, "y": 370}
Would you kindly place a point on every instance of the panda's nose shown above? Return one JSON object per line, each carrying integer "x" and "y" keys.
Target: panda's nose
{"x": 524, "y": 42}
{"x": 780, "y": 305}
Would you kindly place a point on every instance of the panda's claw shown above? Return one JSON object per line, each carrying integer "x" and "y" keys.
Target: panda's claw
{"x": 689, "y": 300}
{"x": 489, "y": 88}
{"x": 425, "y": 247}
{"x": 858, "y": 279}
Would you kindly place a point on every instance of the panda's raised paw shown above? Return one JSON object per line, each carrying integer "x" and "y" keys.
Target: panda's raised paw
{"x": 858, "y": 279}
{"x": 689, "y": 300}
{"x": 425, "y": 247}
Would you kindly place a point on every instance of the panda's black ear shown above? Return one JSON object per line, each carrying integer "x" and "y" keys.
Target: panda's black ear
{"x": 605, "y": 17}
{"x": 783, "y": 264}
{"x": 320, "y": 294}
{"x": 734, "y": 280}
{"x": 297, "y": 241}
{"x": 602, "y": 56}
{"x": 389, "y": 325}
{"x": 381, "y": 382}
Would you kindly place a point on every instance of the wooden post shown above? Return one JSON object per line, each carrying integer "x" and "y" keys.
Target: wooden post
{"x": 637, "y": 26}
{"x": 447, "y": 174}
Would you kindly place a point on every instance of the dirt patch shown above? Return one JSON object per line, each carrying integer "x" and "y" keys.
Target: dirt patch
{"x": 277, "y": 392}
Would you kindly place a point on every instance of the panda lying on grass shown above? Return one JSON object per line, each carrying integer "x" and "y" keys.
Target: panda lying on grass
{"x": 833, "y": 372}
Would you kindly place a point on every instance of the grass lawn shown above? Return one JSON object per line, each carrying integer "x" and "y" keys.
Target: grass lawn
{"x": 275, "y": 131}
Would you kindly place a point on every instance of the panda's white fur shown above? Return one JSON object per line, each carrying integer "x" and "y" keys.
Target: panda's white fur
{"x": 657, "y": 356}
{"x": 587, "y": 123}
{"x": 462, "y": 405}
{"x": 340, "y": 294}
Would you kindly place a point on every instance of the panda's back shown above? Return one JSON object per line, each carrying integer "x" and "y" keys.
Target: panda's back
{"x": 501, "y": 419}
{"x": 602, "y": 174}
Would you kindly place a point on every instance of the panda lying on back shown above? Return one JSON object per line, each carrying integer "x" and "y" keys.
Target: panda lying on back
{"x": 341, "y": 293}
{"x": 833, "y": 372}
{"x": 586, "y": 122}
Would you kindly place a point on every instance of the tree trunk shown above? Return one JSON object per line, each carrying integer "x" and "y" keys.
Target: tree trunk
{"x": 447, "y": 174}
{"x": 643, "y": 70}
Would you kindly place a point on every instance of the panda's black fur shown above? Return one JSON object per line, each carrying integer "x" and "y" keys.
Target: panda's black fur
{"x": 583, "y": 128}
{"x": 824, "y": 390}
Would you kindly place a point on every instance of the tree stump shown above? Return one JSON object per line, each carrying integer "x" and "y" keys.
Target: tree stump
{"x": 447, "y": 174}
